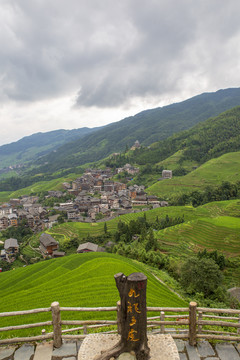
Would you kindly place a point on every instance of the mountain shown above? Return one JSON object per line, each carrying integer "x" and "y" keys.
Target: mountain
{"x": 37, "y": 145}
{"x": 181, "y": 153}
{"x": 209, "y": 139}
{"x": 148, "y": 126}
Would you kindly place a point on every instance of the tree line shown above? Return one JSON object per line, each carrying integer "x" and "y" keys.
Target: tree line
{"x": 224, "y": 191}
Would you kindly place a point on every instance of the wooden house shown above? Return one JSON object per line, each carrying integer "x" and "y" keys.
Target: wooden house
{"x": 11, "y": 246}
{"x": 48, "y": 244}
{"x": 13, "y": 220}
{"x": 3, "y": 222}
{"x": 167, "y": 174}
{"x": 89, "y": 247}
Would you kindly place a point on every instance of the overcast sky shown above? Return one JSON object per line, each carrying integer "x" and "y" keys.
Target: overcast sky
{"x": 75, "y": 63}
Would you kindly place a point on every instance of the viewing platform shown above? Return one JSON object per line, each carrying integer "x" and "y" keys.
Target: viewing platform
{"x": 70, "y": 351}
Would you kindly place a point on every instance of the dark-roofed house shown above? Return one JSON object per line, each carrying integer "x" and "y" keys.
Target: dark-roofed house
{"x": 48, "y": 244}
{"x": 89, "y": 247}
{"x": 11, "y": 246}
{"x": 57, "y": 254}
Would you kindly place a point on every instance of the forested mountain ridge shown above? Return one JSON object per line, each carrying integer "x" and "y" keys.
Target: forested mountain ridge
{"x": 209, "y": 139}
{"x": 148, "y": 126}
{"x": 39, "y": 144}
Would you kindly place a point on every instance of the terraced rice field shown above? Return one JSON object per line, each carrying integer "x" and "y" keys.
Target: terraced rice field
{"x": 213, "y": 172}
{"x": 203, "y": 233}
{"x": 85, "y": 280}
{"x": 66, "y": 231}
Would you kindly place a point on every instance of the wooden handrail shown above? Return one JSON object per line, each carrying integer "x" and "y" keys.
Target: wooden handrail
{"x": 113, "y": 308}
{"x": 223, "y": 311}
{"x": 25, "y": 312}
{"x": 28, "y": 326}
{"x": 193, "y": 318}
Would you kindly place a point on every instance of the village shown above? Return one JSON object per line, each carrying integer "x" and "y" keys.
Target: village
{"x": 94, "y": 197}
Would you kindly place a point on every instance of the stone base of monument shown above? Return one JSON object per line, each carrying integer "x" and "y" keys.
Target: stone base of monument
{"x": 162, "y": 347}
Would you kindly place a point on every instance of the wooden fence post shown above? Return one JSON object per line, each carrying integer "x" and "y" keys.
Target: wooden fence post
{"x": 192, "y": 323}
{"x": 238, "y": 330}
{"x": 56, "y": 319}
{"x": 200, "y": 316}
{"x": 133, "y": 317}
{"x": 85, "y": 329}
{"x": 162, "y": 327}
{"x": 119, "y": 329}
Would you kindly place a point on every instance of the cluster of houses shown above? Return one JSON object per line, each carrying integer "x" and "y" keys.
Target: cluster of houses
{"x": 48, "y": 247}
{"x": 95, "y": 197}
{"x": 11, "y": 248}
{"x": 28, "y": 208}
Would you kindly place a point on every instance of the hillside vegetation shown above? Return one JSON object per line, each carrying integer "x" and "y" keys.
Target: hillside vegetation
{"x": 69, "y": 230}
{"x": 214, "y": 226}
{"x": 148, "y": 127}
{"x": 34, "y": 146}
{"x": 211, "y": 173}
{"x": 182, "y": 151}
{"x": 83, "y": 280}
{"x": 209, "y": 139}
{"x": 214, "y": 209}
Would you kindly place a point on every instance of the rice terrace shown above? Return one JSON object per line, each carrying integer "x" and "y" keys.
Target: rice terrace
{"x": 157, "y": 193}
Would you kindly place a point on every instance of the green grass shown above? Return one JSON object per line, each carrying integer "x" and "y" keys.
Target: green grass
{"x": 5, "y": 196}
{"x": 69, "y": 230}
{"x": 172, "y": 162}
{"x": 225, "y": 221}
{"x": 84, "y": 280}
{"x": 213, "y": 172}
{"x": 200, "y": 234}
{"x": 55, "y": 184}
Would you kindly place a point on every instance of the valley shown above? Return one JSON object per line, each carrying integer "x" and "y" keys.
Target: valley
{"x": 100, "y": 190}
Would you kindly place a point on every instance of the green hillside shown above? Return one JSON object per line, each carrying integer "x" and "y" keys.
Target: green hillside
{"x": 214, "y": 226}
{"x": 66, "y": 231}
{"x": 213, "y": 172}
{"x": 204, "y": 141}
{"x": 181, "y": 151}
{"x": 148, "y": 127}
{"x": 69, "y": 230}
{"x": 83, "y": 280}
{"x": 34, "y": 146}
{"x": 221, "y": 233}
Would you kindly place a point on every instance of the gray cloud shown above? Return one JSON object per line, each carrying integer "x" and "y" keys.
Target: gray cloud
{"x": 114, "y": 52}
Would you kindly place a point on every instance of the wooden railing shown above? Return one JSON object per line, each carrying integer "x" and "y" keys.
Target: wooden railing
{"x": 190, "y": 323}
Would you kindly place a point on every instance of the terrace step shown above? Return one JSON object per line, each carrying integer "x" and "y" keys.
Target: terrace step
{"x": 205, "y": 349}
{"x": 192, "y": 352}
{"x": 227, "y": 351}
{"x": 68, "y": 351}
{"x": 25, "y": 352}
{"x": 7, "y": 353}
{"x": 43, "y": 351}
